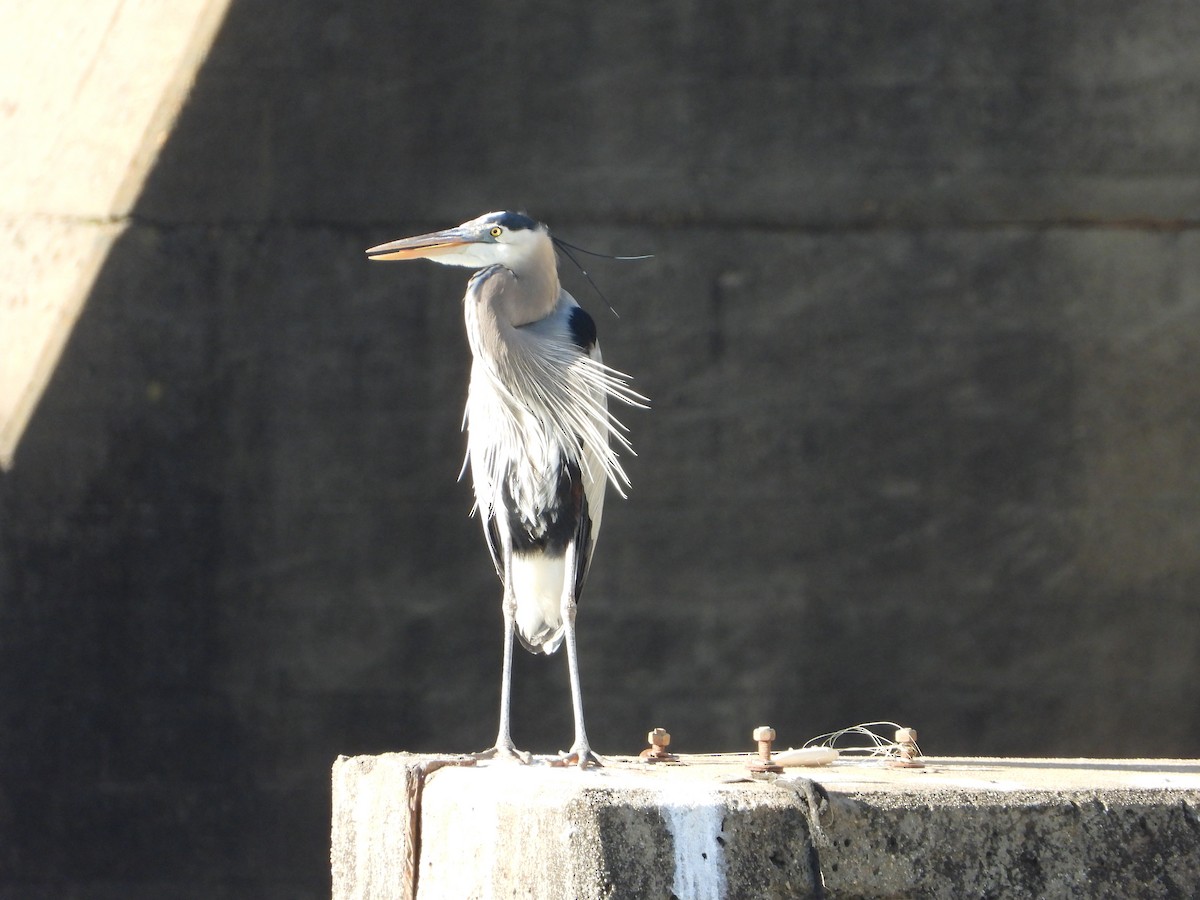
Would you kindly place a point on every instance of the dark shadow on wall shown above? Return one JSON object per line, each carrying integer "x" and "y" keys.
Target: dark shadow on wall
{"x": 134, "y": 766}
{"x": 185, "y": 529}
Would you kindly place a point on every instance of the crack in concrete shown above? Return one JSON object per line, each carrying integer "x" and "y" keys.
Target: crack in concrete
{"x": 816, "y": 802}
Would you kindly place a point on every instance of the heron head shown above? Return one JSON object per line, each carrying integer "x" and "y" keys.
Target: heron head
{"x": 504, "y": 238}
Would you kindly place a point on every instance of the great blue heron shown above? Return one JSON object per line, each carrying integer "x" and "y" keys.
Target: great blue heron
{"x": 538, "y": 434}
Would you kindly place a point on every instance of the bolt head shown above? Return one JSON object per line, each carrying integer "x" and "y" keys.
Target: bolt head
{"x": 659, "y": 737}
{"x": 906, "y": 736}
{"x": 764, "y": 733}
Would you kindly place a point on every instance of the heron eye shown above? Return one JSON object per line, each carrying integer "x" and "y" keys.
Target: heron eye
{"x": 497, "y": 231}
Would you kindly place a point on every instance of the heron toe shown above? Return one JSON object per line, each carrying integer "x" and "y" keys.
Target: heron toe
{"x": 504, "y": 753}
{"x": 582, "y": 756}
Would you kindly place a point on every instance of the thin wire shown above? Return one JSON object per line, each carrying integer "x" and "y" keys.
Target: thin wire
{"x": 877, "y": 744}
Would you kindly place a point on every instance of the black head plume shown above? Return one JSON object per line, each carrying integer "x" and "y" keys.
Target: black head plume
{"x": 566, "y": 248}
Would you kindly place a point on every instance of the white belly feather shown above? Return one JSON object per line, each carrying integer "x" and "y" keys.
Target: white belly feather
{"x": 538, "y": 582}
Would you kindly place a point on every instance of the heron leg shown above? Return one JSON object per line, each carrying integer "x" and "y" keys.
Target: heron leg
{"x": 504, "y": 748}
{"x": 581, "y": 751}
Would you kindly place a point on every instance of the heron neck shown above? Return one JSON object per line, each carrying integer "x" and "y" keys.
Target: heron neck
{"x": 500, "y": 300}
{"x": 537, "y": 290}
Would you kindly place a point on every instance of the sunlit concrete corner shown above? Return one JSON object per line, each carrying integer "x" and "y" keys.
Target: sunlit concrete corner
{"x": 89, "y": 94}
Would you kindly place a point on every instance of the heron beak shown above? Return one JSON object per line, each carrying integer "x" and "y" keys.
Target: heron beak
{"x": 423, "y": 246}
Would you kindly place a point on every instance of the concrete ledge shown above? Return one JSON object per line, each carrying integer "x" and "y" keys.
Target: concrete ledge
{"x": 704, "y": 829}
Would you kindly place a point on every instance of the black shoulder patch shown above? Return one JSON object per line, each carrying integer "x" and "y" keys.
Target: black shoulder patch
{"x": 515, "y": 221}
{"x": 583, "y": 328}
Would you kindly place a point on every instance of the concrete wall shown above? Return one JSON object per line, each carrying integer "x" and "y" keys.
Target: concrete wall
{"x": 921, "y": 335}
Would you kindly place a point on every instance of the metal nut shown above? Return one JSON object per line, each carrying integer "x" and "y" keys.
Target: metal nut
{"x": 657, "y": 752}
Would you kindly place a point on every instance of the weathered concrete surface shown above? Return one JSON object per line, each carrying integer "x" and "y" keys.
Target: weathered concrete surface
{"x": 704, "y": 829}
{"x": 376, "y": 824}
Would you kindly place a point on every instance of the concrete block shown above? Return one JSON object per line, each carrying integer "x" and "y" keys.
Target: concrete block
{"x": 375, "y": 824}
{"x": 409, "y": 826}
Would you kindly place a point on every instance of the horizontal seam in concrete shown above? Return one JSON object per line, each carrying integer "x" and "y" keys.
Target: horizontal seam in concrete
{"x": 890, "y": 224}
{"x": 670, "y": 224}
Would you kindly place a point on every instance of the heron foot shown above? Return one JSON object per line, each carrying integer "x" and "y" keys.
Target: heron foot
{"x": 582, "y": 756}
{"x": 504, "y": 753}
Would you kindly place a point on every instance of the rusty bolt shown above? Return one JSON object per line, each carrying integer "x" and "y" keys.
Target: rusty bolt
{"x": 659, "y": 740}
{"x": 906, "y": 747}
{"x": 906, "y": 738}
{"x": 765, "y": 735}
